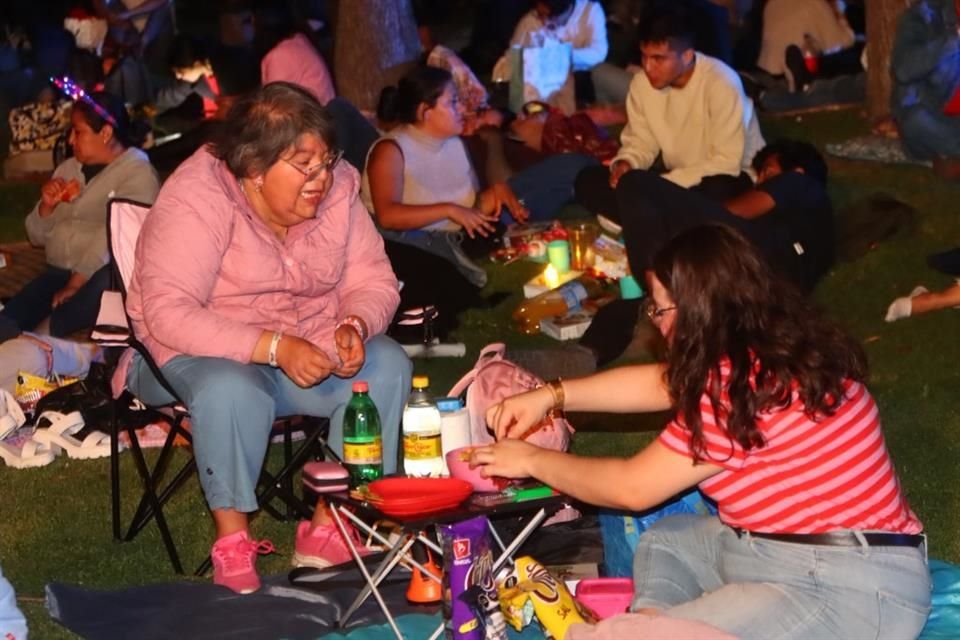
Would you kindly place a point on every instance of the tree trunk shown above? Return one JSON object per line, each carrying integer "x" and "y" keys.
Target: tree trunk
{"x": 882, "y": 18}
{"x": 376, "y": 43}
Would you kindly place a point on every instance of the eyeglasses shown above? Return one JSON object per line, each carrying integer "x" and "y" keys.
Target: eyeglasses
{"x": 654, "y": 312}
{"x": 312, "y": 173}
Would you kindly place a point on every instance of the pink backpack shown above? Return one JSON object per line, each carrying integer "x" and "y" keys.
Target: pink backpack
{"x": 491, "y": 380}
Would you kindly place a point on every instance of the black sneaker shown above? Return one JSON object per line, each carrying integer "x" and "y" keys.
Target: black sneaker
{"x": 947, "y": 262}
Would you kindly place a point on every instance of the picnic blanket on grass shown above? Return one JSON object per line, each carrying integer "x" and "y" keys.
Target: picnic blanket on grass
{"x": 307, "y": 609}
{"x": 278, "y": 610}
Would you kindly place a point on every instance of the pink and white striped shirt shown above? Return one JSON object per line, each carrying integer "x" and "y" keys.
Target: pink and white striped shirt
{"x": 812, "y": 476}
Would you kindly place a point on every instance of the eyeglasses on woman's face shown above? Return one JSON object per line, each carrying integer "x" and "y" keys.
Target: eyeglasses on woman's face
{"x": 326, "y": 165}
{"x": 654, "y": 312}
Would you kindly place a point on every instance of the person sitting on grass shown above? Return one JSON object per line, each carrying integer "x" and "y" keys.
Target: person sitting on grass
{"x": 772, "y": 419}
{"x": 686, "y": 108}
{"x": 926, "y": 83}
{"x": 423, "y": 191}
{"x": 261, "y": 289}
{"x": 70, "y": 220}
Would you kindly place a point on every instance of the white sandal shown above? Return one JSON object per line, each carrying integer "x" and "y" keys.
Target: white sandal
{"x": 67, "y": 431}
{"x": 11, "y": 414}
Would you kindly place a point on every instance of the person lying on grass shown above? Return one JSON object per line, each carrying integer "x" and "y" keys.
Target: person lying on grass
{"x": 814, "y": 538}
{"x": 922, "y": 300}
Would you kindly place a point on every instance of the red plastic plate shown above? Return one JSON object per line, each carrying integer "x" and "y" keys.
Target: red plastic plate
{"x": 392, "y": 489}
{"x": 415, "y": 496}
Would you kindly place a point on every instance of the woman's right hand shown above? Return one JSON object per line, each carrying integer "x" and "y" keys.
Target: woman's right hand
{"x": 302, "y": 361}
{"x": 473, "y": 221}
{"x": 513, "y": 416}
{"x": 51, "y": 194}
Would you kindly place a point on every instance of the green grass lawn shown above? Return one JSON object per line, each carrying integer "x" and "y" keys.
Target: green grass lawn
{"x": 55, "y": 521}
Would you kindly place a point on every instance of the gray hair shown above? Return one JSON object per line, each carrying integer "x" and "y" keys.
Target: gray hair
{"x": 262, "y": 125}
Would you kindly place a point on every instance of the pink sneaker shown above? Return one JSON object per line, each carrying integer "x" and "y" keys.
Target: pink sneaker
{"x": 324, "y": 546}
{"x": 234, "y": 561}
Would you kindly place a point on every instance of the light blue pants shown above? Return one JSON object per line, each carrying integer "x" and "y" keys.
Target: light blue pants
{"x": 12, "y": 623}
{"x": 233, "y": 405}
{"x": 696, "y": 568}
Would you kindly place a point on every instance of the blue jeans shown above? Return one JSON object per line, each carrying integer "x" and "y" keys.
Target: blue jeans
{"x": 233, "y": 405}
{"x": 548, "y": 185}
{"x": 927, "y": 134}
{"x": 32, "y": 304}
{"x": 696, "y": 568}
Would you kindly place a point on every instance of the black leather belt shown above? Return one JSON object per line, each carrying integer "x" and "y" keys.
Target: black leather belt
{"x": 841, "y": 538}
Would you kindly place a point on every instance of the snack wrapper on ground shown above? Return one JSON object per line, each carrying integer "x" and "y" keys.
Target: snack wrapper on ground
{"x": 471, "y": 606}
{"x": 514, "y": 602}
{"x": 552, "y": 602}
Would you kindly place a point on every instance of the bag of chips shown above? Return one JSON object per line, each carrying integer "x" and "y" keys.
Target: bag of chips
{"x": 470, "y": 601}
{"x": 553, "y": 604}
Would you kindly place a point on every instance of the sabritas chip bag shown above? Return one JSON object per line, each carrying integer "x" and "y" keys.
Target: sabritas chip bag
{"x": 554, "y": 606}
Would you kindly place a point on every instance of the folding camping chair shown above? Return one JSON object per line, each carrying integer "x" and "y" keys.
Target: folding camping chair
{"x": 124, "y": 221}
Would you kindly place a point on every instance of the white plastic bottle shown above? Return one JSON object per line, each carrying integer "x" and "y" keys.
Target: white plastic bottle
{"x": 454, "y": 427}
{"x": 422, "y": 454}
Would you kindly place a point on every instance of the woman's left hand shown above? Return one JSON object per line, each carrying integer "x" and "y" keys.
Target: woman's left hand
{"x": 493, "y": 199}
{"x": 507, "y": 458}
{"x": 350, "y": 349}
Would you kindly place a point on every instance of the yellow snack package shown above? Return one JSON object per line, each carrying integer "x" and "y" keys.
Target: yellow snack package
{"x": 30, "y": 388}
{"x": 552, "y": 602}
{"x": 515, "y": 602}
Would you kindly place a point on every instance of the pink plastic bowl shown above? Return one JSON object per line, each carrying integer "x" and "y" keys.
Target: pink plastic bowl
{"x": 460, "y": 468}
{"x": 606, "y": 597}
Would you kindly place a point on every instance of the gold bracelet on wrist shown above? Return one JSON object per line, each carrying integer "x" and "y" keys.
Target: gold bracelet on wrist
{"x": 556, "y": 390}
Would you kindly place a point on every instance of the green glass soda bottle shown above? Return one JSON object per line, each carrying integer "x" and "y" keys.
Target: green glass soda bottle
{"x": 362, "y": 437}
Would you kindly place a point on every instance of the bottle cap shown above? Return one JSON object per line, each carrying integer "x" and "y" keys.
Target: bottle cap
{"x": 449, "y": 404}
{"x": 421, "y": 382}
{"x": 361, "y": 386}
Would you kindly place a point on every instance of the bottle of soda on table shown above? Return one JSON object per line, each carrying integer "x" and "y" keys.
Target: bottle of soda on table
{"x": 422, "y": 455}
{"x": 362, "y": 437}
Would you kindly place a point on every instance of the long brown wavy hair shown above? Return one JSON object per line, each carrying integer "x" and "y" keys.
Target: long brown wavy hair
{"x": 730, "y": 304}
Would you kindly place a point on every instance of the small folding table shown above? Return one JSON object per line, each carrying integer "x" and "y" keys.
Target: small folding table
{"x": 411, "y": 528}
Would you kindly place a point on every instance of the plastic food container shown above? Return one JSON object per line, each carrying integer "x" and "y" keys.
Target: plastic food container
{"x": 325, "y": 477}
{"x": 606, "y": 597}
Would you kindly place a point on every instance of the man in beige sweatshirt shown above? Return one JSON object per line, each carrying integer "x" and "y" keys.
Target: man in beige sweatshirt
{"x": 686, "y": 109}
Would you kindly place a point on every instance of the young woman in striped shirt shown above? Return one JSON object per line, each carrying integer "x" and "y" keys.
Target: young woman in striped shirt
{"x": 814, "y": 538}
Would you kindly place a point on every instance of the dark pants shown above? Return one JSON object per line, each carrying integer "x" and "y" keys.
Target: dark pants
{"x": 548, "y": 185}
{"x": 34, "y": 303}
{"x": 592, "y": 190}
{"x": 666, "y": 210}
{"x": 430, "y": 280}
